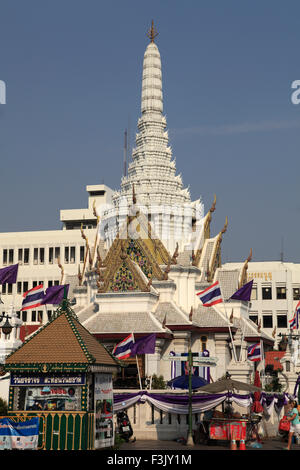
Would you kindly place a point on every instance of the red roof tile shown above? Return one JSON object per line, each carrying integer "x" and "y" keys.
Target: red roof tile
{"x": 273, "y": 358}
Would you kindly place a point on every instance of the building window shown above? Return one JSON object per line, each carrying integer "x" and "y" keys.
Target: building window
{"x": 26, "y": 255}
{"x": 20, "y": 255}
{"x": 72, "y": 254}
{"x": 81, "y": 254}
{"x": 267, "y": 321}
{"x": 24, "y": 315}
{"x": 4, "y": 257}
{"x": 49, "y": 314}
{"x": 56, "y": 283}
{"x": 25, "y": 286}
{"x": 296, "y": 293}
{"x": 254, "y": 318}
{"x": 67, "y": 254}
{"x": 50, "y": 256}
{"x": 40, "y": 316}
{"x": 282, "y": 320}
{"x": 50, "y": 283}
{"x": 42, "y": 255}
{"x": 7, "y": 289}
{"x": 254, "y": 293}
{"x": 19, "y": 287}
{"x": 57, "y": 252}
{"x": 11, "y": 256}
{"x": 33, "y": 316}
{"x": 35, "y": 256}
{"x": 281, "y": 292}
{"x": 267, "y": 293}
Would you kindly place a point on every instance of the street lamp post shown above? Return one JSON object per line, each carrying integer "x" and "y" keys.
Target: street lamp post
{"x": 190, "y": 440}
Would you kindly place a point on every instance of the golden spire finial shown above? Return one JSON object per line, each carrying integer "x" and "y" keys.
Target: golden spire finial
{"x": 152, "y": 33}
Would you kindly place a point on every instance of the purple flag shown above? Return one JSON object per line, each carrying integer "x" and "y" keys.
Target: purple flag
{"x": 145, "y": 345}
{"x": 244, "y": 293}
{"x": 9, "y": 275}
{"x": 55, "y": 294}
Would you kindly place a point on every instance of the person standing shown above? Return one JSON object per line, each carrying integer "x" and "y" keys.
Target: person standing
{"x": 293, "y": 417}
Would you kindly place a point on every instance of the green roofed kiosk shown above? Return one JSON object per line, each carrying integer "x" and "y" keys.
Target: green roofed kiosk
{"x": 64, "y": 375}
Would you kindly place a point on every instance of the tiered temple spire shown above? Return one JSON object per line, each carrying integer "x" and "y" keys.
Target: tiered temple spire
{"x": 152, "y": 170}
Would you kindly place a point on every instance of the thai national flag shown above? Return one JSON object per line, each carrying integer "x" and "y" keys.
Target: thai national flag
{"x": 254, "y": 352}
{"x": 123, "y": 349}
{"x": 211, "y": 295}
{"x": 294, "y": 322}
{"x": 33, "y": 297}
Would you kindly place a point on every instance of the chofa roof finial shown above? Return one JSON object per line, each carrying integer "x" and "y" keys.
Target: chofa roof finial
{"x": 152, "y": 33}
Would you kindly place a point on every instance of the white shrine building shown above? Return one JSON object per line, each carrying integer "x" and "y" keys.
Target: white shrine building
{"x": 135, "y": 259}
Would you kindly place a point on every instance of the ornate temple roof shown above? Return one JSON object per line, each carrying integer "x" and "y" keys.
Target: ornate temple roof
{"x": 125, "y": 322}
{"x": 63, "y": 340}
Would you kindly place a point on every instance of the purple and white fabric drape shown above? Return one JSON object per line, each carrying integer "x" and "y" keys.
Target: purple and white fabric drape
{"x": 274, "y": 401}
{"x": 178, "y": 404}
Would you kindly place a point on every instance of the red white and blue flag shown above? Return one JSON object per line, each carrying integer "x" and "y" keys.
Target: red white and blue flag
{"x": 33, "y": 297}
{"x": 211, "y": 295}
{"x": 123, "y": 349}
{"x": 294, "y": 322}
{"x": 254, "y": 352}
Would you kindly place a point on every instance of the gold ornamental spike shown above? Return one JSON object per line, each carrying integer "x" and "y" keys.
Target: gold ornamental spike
{"x": 225, "y": 226}
{"x": 250, "y": 256}
{"x": 152, "y": 33}
{"x": 213, "y": 207}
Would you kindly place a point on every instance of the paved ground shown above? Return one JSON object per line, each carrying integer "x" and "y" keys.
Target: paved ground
{"x": 268, "y": 444}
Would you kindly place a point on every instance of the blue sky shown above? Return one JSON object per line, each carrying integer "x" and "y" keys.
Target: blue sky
{"x": 73, "y": 75}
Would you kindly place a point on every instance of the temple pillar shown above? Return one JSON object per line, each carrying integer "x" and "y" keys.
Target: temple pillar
{"x": 152, "y": 361}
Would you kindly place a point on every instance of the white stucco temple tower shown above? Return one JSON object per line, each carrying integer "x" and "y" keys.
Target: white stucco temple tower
{"x": 159, "y": 191}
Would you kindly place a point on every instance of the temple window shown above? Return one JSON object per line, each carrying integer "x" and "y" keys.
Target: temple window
{"x": 203, "y": 340}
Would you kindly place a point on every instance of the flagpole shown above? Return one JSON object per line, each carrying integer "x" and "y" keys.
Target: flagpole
{"x": 230, "y": 332}
{"x": 138, "y": 368}
{"x": 137, "y": 364}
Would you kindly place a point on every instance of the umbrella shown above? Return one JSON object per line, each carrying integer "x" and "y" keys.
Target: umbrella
{"x": 228, "y": 384}
{"x": 183, "y": 382}
{"x": 257, "y": 407}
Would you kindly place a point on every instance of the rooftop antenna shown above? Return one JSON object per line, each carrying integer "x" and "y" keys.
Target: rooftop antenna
{"x": 128, "y": 141}
{"x": 125, "y": 153}
{"x": 281, "y": 253}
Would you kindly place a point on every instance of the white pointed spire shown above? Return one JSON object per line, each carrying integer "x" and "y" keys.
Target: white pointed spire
{"x": 152, "y": 170}
{"x": 152, "y": 97}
